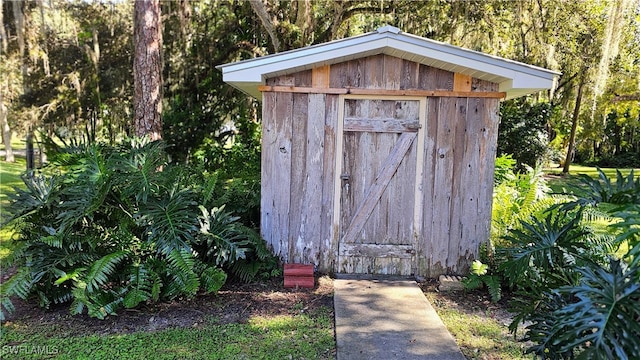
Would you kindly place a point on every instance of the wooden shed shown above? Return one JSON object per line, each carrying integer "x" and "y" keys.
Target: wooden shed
{"x": 378, "y": 150}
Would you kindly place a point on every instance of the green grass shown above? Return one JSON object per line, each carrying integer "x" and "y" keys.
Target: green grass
{"x": 280, "y": 337}
{"x": 17, "y": 142}
{"x": 479, "y": 335}
{"x": 9, "y": 177}
{"x": 560, "y": 183}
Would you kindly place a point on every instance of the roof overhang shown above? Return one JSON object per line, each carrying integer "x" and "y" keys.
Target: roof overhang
{"x": 514, "y": 78}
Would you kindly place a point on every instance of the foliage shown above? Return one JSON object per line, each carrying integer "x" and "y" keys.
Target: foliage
{"x": 516, "y": 198}
{"x": 625, "y": 189}
{"x": 544, "y": 252}
{"x": 237, "y": 174}
{"x": 479, "y": 276}
{"x": 576, "y": 299}
{"x": 504, "y": 169}
{"x": 603, "y": 321}
{"x": 77, "y": 61}
{"x": 113, "y": 226}
{"x": 629, "y": 232}
{"x": 523, "y": 131}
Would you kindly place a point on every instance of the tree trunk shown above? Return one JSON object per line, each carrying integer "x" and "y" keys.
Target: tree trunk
{"x": 3, "y": 33}
{"x": 6, "y": 131}
{"x": 147, "y": 69}
{"x": 304, "y": 22}
{"x": 574, "y": 125}
{"x": 261, "y": 10}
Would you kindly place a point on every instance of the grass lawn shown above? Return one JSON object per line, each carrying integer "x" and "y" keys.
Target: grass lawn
{"x": 280, "y": 337}
{"x": 9, "y": 177}
{"x": 17, "y": 142}
{"x": 560, "y": 183}
{"x": 479, "y": 326}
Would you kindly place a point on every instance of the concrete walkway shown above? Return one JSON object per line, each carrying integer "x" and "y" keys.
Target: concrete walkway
{"x": 388, "y": 319}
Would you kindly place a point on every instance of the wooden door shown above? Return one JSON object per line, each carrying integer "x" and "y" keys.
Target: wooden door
{"x": 378, "y": 184}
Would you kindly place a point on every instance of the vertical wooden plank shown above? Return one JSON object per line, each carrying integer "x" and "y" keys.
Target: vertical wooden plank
{"x": 284, "y": 80}
{"x": 277, "y": 169}
{"x": 458, "y": 149}
{"x": 320, "y": 76}
{"x": 355, "y": 74}
{"x": 392, "y": 72}
{"x": 471, "y": 188}
{"x": 308, "y": 245}
{"x": 418, "y": 211}
{"x": 410, "y": 75}
{"x": 461, "y": 82}
{"x": 373, "y": 72}
{"x": 431, "y": 78}
{"x": 269, "y": 137}
{"x": 482, "y": 85}
{"x": 329, "y": 236}
{"x": 425, "y": 251}
{"x": 303, "y": 78}
{"x": 488, "y": 108}
{"x": 299, "y": 168}
{"x": 338, "y": 74}
{"x": 442, "y": 193}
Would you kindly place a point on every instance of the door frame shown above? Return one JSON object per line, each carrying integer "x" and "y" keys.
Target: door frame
{"x": 417, "y": 211}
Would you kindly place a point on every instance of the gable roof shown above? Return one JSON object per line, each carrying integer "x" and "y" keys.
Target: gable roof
{"x": 515, "y": 78}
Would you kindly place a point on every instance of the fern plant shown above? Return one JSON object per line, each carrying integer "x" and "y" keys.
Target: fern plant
{"x": 479, "y": 276}
{"x": 523, "y": 196}
{"x": 109, "y": 227}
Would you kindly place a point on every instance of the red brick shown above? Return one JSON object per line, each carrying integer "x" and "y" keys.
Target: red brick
{"x": 299, "y": 282}
{"x": 298, "y": 270}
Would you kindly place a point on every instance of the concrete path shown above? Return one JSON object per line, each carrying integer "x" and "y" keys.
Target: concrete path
{"x": 388, "y": 319}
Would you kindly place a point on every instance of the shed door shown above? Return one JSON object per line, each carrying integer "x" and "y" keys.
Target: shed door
{"x": 378, "y": 185}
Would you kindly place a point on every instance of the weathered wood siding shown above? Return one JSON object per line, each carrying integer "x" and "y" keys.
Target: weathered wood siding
{"x": 299, "y": 163}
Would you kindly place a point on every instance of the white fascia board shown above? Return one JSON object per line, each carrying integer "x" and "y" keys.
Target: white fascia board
{"x": 296, "y": 60}
{"x": 478, "y": 56}
{"x": 513, "y": 77}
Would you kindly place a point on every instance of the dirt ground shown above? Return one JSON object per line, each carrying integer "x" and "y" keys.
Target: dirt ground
{"x": 235, "y": 303}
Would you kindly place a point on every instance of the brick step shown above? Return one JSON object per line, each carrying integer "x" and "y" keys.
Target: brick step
{"x": 299, "y": 282}
{"x": 298, "y": 270}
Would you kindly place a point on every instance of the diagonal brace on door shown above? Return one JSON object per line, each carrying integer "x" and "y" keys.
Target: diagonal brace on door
{"x": 379, "y": 185}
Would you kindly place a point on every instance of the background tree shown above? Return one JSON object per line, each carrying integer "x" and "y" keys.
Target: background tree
{"x": 147, "y": 69}
{"x": 78, "y": 55}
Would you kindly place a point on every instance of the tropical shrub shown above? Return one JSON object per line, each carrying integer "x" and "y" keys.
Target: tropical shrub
{"x": 625, "y": 190}
{"x": 598, "y": 319}
{"x": 577, "y": 299}
{"x": 109, "y": 227}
